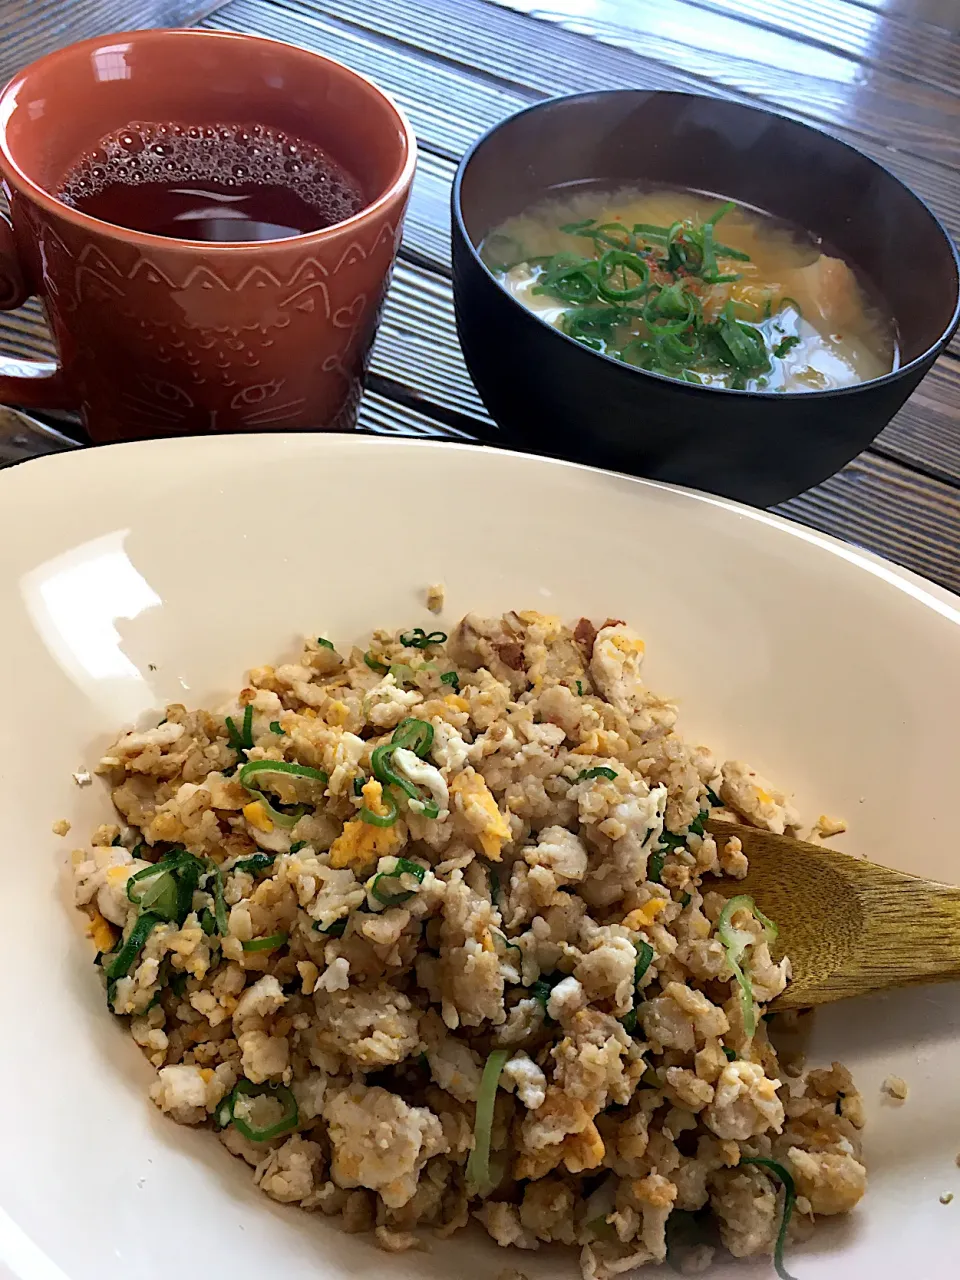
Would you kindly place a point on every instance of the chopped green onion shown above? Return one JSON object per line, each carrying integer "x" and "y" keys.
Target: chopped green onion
{"x": 219, "y": 902}
{"x": 275, "y": 727}
{"x": 158, "y": 894}
{"x": 672, "y": 841}
{"x": 381, "y": 819}
{"x": 728, "y": 1053}
{"x": 601, "y": 771}
{"x": 414, "y": 735}
{"x": 335, "y": 930}
{"x": 644, "y": 961}
{"x": 420, "y": 639}
{"x": 615, "y": 271}
{"x": 494, "y": 886}
{"x": 358, "y": 785}
{"x": 402, "y": 672}
{"x": 241, "y": 740}
{"x": 714, "y": 799}
{"x": 171, "y": 885}
{"x": 375, "y": 664}
{"x": 789, "y": 1199}
{"x": 268, "y": 943}
{"x": 123, "y": 960}
{"x": 451, "y": 678}
{"x": 720, "y": 213}
{"x": 579, "y": 688}
{"x": 735, "y": 943}
{"x": 297, "y": 846}
{"x": 326, "y": 644}
{"x": 790, "y": 302}
{"x": 540, "y": 991}
{"x": 650, "y": 231}
{"x": 410, "y": 735}
{"x": 685, "y": 899}
{"x": 785, "y": 345}
{"x": 478, "y": 1165}
{"x": 577, "y": 228}
{"x": 117, "y": 841}
{"x": 671, "y": 310}
{"x": 226, "y": 1112}
{"x": 629, "y": 1022}
{"x": 207, "y": 922}
{"x": 257, "y": 862}
{"x": 696, "y": 826}
{"x": 403, "y": 868}
{"x": 253, "y": 768}
{"x": 655, "y": 865}
{"x": 569, "y": 277}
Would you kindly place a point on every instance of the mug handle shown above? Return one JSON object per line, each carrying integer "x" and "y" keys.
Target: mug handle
{"x": 39, "y": 384}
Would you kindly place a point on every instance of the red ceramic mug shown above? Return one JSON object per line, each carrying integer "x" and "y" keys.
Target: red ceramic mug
{"x": 161, "y": 336}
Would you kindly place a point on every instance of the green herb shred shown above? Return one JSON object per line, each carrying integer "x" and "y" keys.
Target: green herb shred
{"x": 789, "y": 1200}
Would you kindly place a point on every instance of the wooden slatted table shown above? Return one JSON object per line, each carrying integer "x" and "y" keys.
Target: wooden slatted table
{"x": 882, "y": 74}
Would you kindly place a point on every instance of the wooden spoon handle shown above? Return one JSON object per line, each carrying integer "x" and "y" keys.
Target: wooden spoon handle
{"x": 908, "y": 932}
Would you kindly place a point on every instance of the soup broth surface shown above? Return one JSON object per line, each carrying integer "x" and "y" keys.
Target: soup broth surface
{"x": 694, "y": 288}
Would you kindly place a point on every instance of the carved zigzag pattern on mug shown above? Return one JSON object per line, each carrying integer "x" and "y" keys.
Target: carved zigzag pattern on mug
{"x": 98, "y": 278}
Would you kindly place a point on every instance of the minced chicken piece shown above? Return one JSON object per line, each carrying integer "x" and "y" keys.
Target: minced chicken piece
{"x": 61, "y": 827}
{"x": 444, "y": 955}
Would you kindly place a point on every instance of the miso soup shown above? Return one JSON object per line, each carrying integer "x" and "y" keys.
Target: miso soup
{"x": 694, "y": 288}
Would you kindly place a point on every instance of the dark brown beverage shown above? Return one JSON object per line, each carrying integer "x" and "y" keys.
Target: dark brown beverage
{"x": 219, "y": 182}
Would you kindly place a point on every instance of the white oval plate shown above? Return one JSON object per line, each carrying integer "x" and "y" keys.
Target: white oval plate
{"x": 140, "y": 574}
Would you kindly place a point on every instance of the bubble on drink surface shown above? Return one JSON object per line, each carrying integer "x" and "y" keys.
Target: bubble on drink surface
{"x": 227, "y": 154}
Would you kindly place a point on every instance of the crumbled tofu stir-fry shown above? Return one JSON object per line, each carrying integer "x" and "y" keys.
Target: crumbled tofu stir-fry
{"x": 425, "y": 932}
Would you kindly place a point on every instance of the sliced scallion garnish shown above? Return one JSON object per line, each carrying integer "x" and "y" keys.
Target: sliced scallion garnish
{"x": 381, "y": 819}
{"x": 124, "y": 959}
{"x": 420, "y": 639}
{"x": 256, "y": 862}
{"x": 644, "y": 960}
{"x": 227, "y": 1111}
{"x": 268, "y": 943}
{"x": 241, "y": 739}
{"x": 789, "y": 1200}
{"x": 326, "y": 644}
{"x": 478, "y": 1165}
{"x": 735, "y": 942}
{"x": 600, "y": 771}
{"x": 263, "y": 768}
{"x": 393, "y": 897}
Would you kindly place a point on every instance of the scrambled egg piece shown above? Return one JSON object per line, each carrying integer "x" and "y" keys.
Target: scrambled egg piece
{"x": 360, "y": 842}
{"x": 102, "y": 934}
{"x": 640, "y": 917}
{"x": 615, "y": 666}
{"x": 475, "y": 801}
{"x": 257, "y": 816}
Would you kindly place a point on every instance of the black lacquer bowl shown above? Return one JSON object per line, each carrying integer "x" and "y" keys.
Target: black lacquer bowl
{"x": 552, "y": 394}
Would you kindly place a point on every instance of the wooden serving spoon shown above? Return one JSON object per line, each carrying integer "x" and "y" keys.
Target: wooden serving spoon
{"x": 848, "y": 926}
